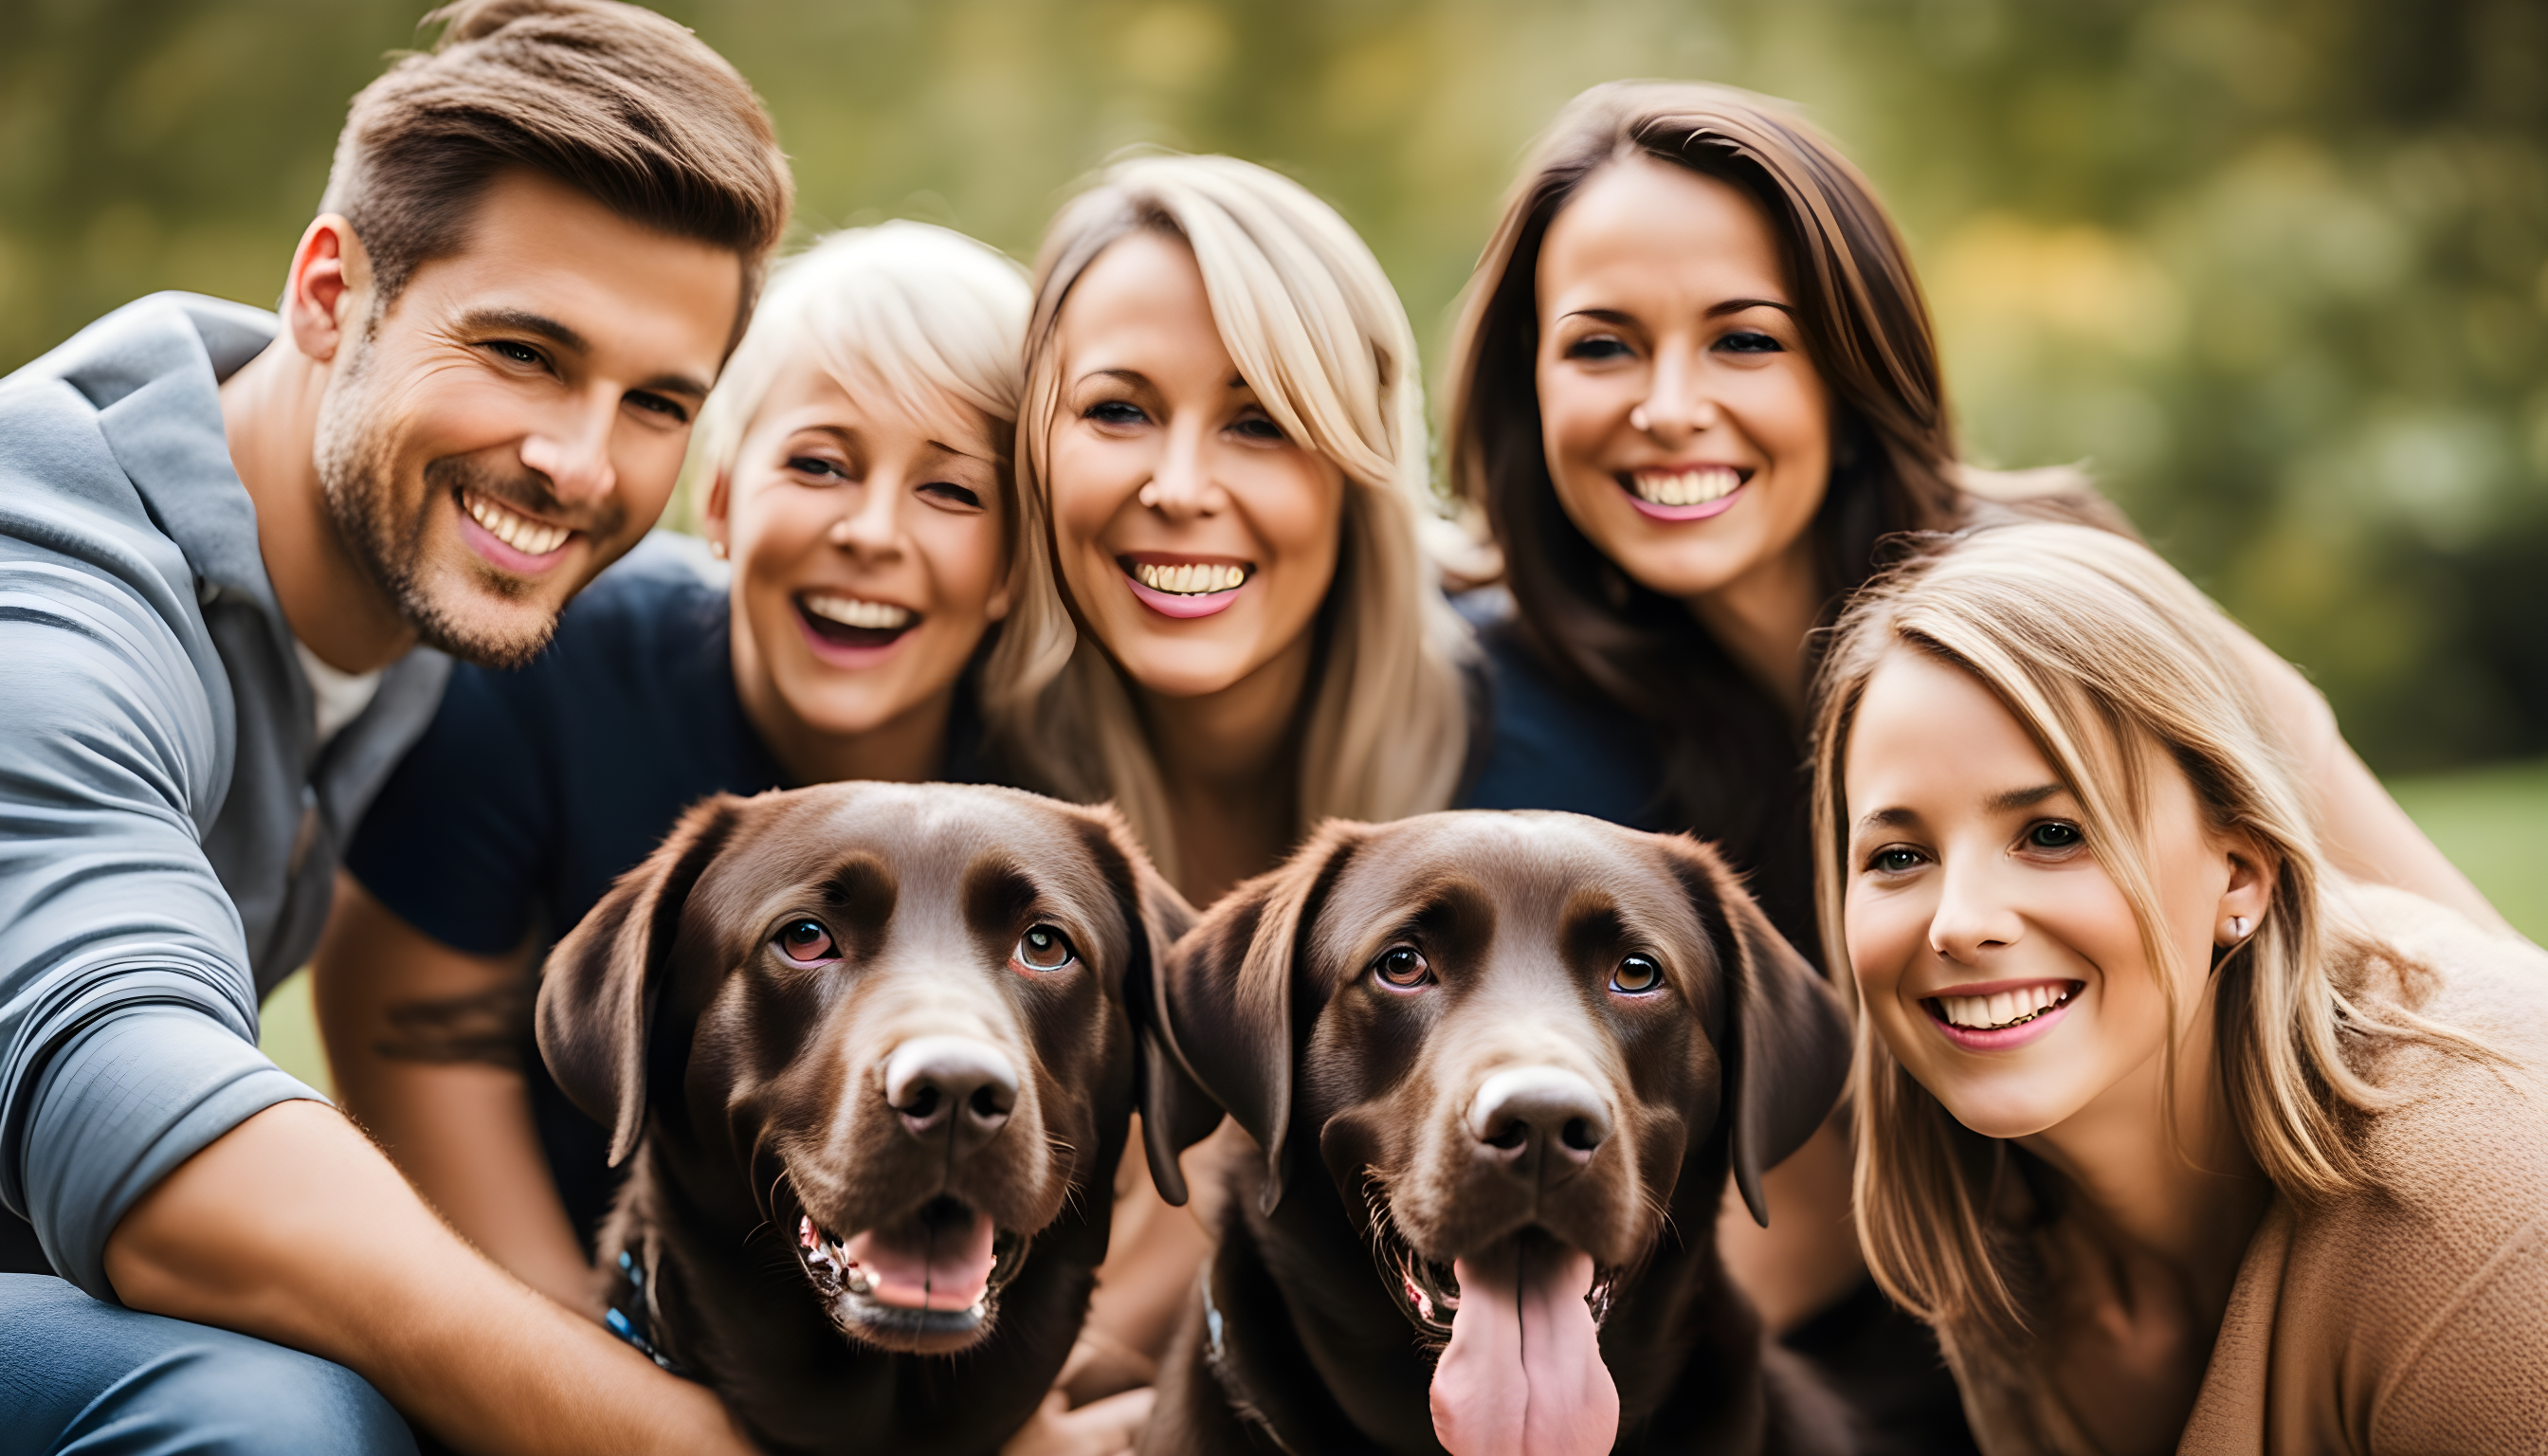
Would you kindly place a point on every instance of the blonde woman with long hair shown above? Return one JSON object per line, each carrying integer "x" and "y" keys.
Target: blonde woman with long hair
{"x": 1230, "y": 631}
{"x": 2182, "y": 1142}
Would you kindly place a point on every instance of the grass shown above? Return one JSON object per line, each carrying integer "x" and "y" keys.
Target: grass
{"x": 2491, "y": 822}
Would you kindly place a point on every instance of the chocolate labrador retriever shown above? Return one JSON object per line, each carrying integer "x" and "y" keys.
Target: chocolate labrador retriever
{"x": 868, "y": 1047}
{"x": 1499, "y": 1067}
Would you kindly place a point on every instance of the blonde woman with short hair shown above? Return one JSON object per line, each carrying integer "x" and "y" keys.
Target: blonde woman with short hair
{"x": 1230, "y": 631}
{"x": 2182, "y": 1142}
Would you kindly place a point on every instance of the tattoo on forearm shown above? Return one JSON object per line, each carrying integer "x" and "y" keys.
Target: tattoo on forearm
{"x": 488, "y": 1027}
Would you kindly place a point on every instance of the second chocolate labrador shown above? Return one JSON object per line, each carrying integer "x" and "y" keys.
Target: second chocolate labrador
{"x": 1499, "y": 1067}
{"x": 870, "y": 1049}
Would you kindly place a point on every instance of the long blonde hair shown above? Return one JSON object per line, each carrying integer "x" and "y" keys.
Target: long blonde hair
{"x": 2118, "y": 668}
{"x": 1314, "y": 326}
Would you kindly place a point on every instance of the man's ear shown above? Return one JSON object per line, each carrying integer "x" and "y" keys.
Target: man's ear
{"x": 327, "y": 292}
{"x": 602, "y": 983}
{"x": 1785, "y": 1053}
{"x": 1227, "y": 1007}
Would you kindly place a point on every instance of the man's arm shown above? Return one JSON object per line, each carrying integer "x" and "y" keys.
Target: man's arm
{"x": 294, "y": 1229}
{"x": 421, "y": 1038}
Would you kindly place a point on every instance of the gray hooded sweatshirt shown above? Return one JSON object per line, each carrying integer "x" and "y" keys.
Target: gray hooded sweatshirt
{"x": 169, "y": 822}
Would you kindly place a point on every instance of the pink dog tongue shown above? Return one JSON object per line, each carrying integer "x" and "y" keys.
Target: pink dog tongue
{"x": 919, "y": 1266}
{"x": 1524, "y": 1374}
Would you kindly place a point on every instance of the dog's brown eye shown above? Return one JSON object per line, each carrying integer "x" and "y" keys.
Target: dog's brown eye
{"x": 1637, "y": 974}
{"x": 1403, "y": 966}
{"x": 1044, "y": 949}
{"x": 806, "y": 941}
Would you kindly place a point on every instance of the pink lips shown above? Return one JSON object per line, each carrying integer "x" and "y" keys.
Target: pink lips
{"x": 1701, "y": 511}
{"x": 2003, "y": 1038}
{"x": 1184, "y": 605}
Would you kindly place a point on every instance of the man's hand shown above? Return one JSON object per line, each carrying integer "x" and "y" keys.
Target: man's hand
{"x": 294, "y": 1229}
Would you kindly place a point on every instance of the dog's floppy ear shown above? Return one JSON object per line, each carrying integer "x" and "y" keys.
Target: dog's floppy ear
{"x": 1787, "y": 1049}
{"x": 1175, "y": 1113}
{"x": 599, "y": 990}
{"x": 1226, "y": 1011}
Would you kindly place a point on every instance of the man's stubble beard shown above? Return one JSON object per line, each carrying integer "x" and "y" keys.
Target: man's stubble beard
{"x": 358, "y": 477}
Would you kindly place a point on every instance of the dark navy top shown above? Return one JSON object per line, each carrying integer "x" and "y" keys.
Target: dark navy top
{"x": 533, "y": 791}
{"x": 1553, "y": 749}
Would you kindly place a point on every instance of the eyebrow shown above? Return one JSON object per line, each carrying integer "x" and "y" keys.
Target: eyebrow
{"x": 1736, "y": 306}
{"x": 523, "y": 320}
{"x": 1887, "y": 819}
{"x": 2021, "y": 799}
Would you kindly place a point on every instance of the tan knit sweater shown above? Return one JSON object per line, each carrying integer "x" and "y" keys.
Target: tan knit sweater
{"x": 2410, "y": 1320}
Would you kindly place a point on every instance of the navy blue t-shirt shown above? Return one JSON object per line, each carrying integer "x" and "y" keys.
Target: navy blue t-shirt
{"x": 1553, "y": 749}
{"x": 533, "y": 791}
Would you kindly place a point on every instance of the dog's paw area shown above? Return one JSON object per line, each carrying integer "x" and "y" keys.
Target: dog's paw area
{"x": 1522, "y": 1375}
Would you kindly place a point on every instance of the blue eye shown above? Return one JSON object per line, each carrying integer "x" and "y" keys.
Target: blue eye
{"x": 1115, "y": 411}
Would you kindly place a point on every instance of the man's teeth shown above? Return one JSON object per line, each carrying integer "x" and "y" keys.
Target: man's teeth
{"x": 2003, "y": 1009}
{"x": 1688, "y": 487}
{"x": 523, "y": 534}
{"x": 1191, "y": 580}
{"x": 850, "y": 612}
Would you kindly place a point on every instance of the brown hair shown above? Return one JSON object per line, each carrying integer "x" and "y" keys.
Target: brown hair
{"x": 615, "y": 101}
{"x": 1731, "y": 758}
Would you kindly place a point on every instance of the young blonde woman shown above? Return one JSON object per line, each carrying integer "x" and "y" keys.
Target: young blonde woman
{"x": 2182, "y": 1142}
{"x": 1234, "y": 634}
{"x": 853, "y": 464}
{"x": 1694, "y": 384}
{"x": 1231, "y": 632}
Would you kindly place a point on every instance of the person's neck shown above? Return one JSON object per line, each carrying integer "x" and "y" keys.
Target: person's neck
{"x": 908, "y": 748}
{"x": 1762, "y": 619}
{"x": 1226, "y": 762}
{"x": 2188, "y": 1199}
{"x": 270, "y": 417}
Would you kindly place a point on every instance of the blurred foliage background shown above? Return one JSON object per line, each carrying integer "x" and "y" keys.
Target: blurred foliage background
{"x": 2276, "y": 269}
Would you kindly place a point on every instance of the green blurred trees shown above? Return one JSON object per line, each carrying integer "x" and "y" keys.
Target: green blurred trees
{"x": 2278, "y": 269}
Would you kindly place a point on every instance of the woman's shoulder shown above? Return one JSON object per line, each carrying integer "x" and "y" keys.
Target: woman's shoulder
{"x": 1549, "y": 745}
{"x": 2428, "y": 1281}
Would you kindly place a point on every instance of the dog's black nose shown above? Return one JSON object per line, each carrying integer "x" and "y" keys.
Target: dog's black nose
{"x": 943, "y": 1086}
{"x": 1545, "y": 1110}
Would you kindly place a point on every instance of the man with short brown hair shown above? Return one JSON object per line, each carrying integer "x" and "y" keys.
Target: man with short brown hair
{"x": 233, "y": 551}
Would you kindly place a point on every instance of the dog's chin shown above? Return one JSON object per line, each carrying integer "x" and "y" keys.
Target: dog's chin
{"x": 924, "y": 1283}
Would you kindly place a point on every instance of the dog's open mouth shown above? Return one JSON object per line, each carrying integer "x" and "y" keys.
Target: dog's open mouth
{"x": 1428, "y": 1293}
{"x": 927, "y": 1282}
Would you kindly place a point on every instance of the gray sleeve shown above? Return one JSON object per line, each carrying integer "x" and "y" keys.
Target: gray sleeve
{"x": 128, "y": 1014}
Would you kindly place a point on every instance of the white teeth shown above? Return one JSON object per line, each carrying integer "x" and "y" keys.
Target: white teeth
{"x": 515, "y": 529}
{"x": 850, "y": 612}
{"x": 1694, "y": 487}
{"x": 2003, "y": 1009}
{"x": 1192, "y": 579}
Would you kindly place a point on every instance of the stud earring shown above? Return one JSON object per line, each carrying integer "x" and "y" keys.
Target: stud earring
{"x": 717, "y": 550}
{"x": 2237, "y": 927}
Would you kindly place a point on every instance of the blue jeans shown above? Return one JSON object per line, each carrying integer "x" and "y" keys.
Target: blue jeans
{"x": 84, "y": 1378}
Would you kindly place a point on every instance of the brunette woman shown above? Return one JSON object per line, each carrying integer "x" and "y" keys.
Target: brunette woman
{"x": 1235, "y": 634}
{"x": 1695, "y": 384}
{"x": 853, "y": 461}
{"x": 2183, "y": 1143}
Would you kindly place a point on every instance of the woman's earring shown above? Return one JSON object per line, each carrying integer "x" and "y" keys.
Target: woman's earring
{"x": 717, "y": 550}
{"x": 2237, "y": 927}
